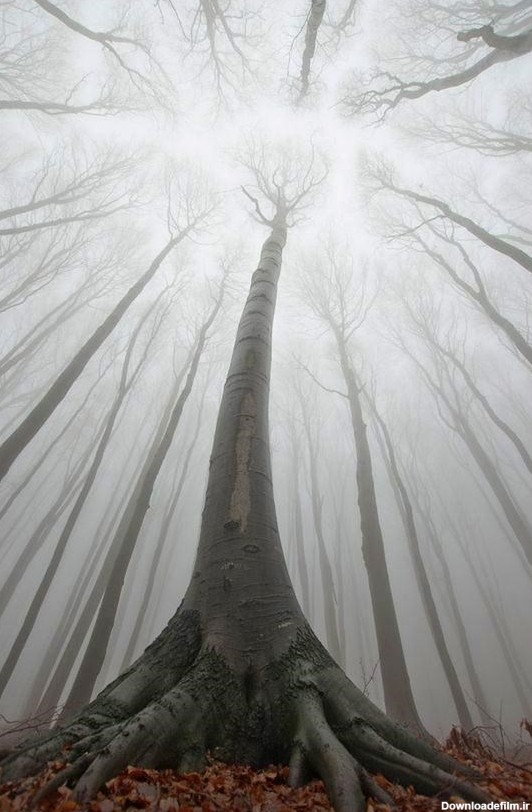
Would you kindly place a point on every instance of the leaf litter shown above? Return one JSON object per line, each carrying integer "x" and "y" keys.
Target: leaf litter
{"x": 239, "y": 788}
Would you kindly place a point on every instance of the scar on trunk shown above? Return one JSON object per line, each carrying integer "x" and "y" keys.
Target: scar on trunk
{"x": 240, "y": 498}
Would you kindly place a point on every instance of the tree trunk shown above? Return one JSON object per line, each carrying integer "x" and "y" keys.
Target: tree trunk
{"x": 462, "y": 427}
{"x": 314, "y": 20}
{"x": 47, "y": 687}
{"x": 330, "y": 601}
{"x": 302, "y": 567}
{"x": 407, "y": 515}
{"x": 161, "y": 540}
{"x": 15, "y": 444}
{"x": 66, "y": 532}
{"x": 398, "y": 696}
{"x": 43, "y": 529}
{"x": 478, "y": 691}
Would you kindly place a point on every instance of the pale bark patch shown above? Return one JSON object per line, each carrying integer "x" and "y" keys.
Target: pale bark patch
{"x": 240, "y": 498}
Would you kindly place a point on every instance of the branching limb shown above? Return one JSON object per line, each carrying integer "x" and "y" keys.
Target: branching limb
{"x": 518, "y": 44}
{"x": 390, "y": 90}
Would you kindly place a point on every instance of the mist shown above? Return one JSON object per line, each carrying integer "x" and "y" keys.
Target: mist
{"x": 147, "y": 148}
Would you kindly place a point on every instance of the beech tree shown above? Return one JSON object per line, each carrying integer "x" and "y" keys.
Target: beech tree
{"x": 454, "y": 414}
{"x": 314, "y": 20}
{"x": 238, "y": 668}
{"x": 411, "y": 532}
{"x": 193, "y": 214}
{"x": 127, "y": 380}
{"x": 333, "y": 295}
{"x": 330, "y": 598}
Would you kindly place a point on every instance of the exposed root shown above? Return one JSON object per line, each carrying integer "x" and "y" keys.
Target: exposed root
{"x": 329, "y": 758}
{"x": 63, "y": 777}
{"x": 372, "y": 790}
{"x": 302, "y": 707}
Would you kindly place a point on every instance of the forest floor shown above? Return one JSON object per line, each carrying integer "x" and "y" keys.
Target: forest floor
{"x": 236, "y": 788}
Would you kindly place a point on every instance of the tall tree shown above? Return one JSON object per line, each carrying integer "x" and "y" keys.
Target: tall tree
{"x": 503, "y": 247}
{"x": 238, "y": 668}
{"x": 445, "y": 392}
{"x": 126, "y": 382}
{"x": 333, "y": 296}
{"x": 411, "y": 531}
{"x": 314, "y": 20}
{"x": 15, "y": 444}
{"x": 330, "y": 598}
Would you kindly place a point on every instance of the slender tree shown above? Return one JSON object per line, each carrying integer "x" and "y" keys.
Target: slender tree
{"x": 486, "y": 237}
{"x": 444, "y": 390}
{"x": 15, "y": 444}
{"x": 475, "y": 289}
{"x": 302, "y": 566}
{"x": 314, "y": 21}
{"x": 330, "y": 598}
{"x": 425, "y": 322}
{"x": 169, "y": 515}
{"x": 331, "y": 295}
{"x": 124, "y": 386}
{"x": 411, "y": 531}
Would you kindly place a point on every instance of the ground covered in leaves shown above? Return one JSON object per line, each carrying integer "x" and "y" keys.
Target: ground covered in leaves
{"x": 241, "y": 789}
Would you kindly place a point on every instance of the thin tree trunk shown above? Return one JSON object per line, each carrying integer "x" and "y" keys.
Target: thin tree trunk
{"x": 44, "y": 528}
{"x": 398, "y": 696}
{"x": 161, "y": 540}
{"x": 327, "y": 581}
{"x": 463, "y": 428}
{"x": 302, "y": 567}
{"x": 66, "y": 533}
{"x": 45, "y": 677}
{"x": 69, "y": 656}
{"x": 15, "y": 444}
{"x": 503, "y": 636}
{"x": 478, "y": 691}
{"x": 57, "y": 439}
{"x": 407, "y": 515}
{"x": 496, "y": 243}
{"x": 314, "y": 20}
{"x": 480, "y": 296}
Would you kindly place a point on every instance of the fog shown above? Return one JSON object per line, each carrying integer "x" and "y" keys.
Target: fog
{"x": 405, "y": 287}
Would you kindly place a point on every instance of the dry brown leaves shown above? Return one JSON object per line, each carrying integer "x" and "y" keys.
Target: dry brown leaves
{"x": 241, "y": 789}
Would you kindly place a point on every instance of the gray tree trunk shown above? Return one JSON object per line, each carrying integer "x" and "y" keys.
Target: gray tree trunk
{"x": 398, "y": 696}
{"x": 15, "y": 444}
{"x": 433, "y": 619}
